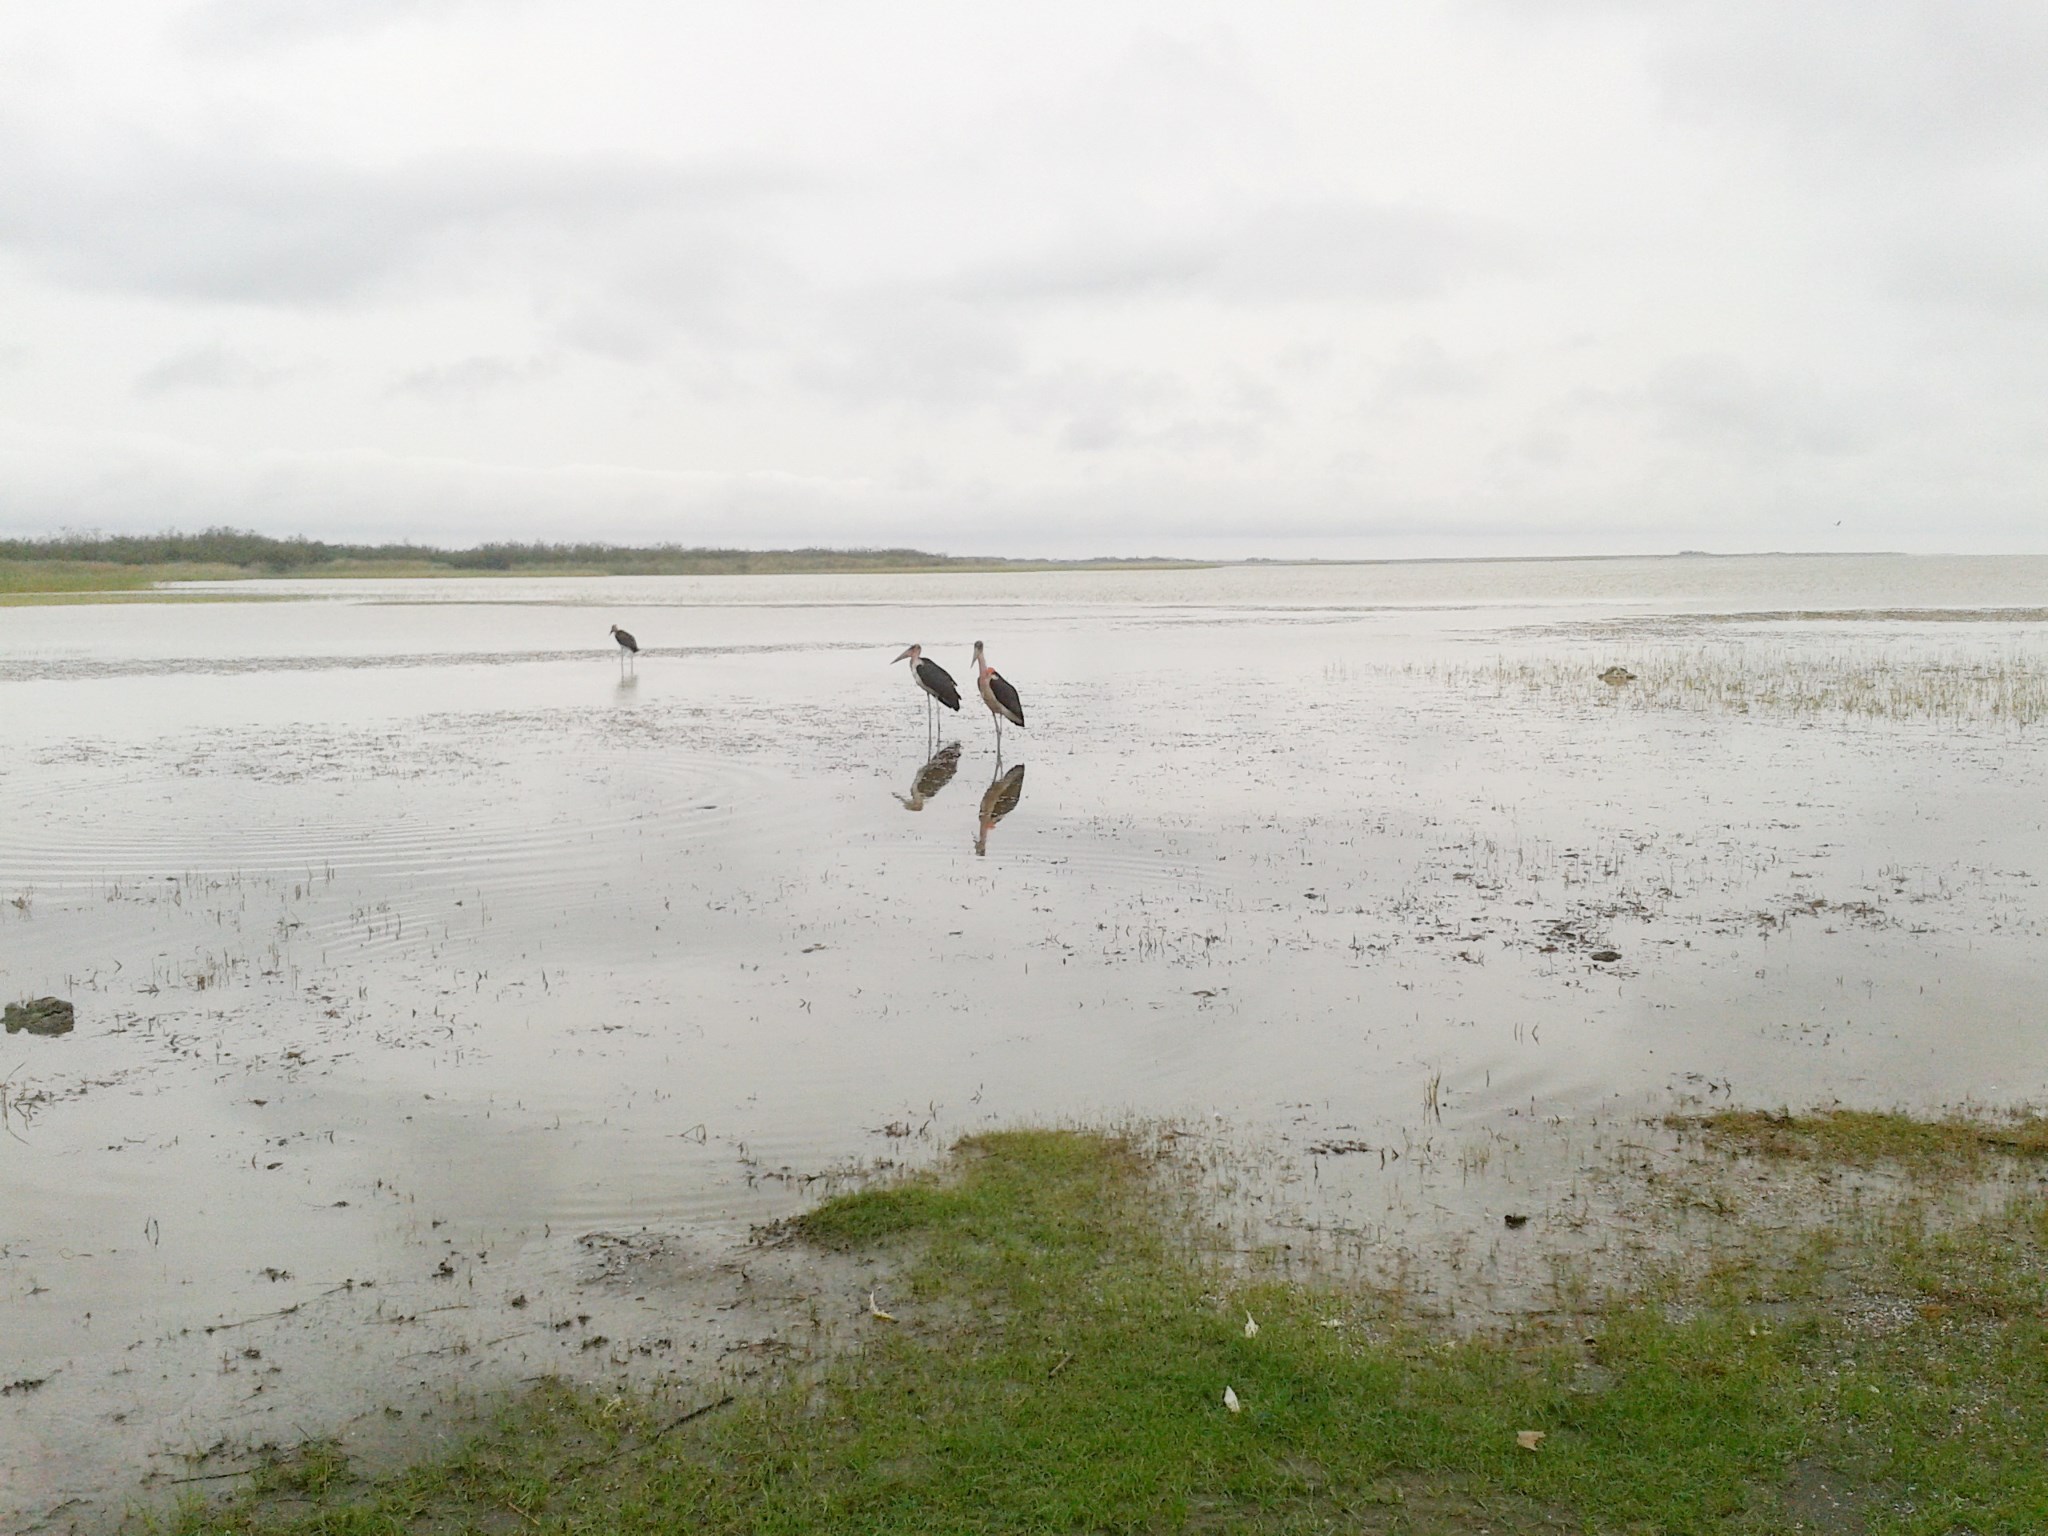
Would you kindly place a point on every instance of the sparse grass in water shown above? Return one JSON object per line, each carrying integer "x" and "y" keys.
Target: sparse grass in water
{"x": 2006, "y": 688}
{"x": 1063, "y": 1349}
{"x": 1862, "y": 1138}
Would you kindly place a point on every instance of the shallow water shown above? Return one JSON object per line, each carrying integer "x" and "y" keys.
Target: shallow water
{"x": 427, "y": 958}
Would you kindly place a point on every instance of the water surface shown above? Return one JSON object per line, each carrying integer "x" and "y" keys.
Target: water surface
{"x": 429, "y": 957}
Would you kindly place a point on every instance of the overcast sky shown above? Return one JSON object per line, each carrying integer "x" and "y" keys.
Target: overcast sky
{"x": 1471, "y": 277}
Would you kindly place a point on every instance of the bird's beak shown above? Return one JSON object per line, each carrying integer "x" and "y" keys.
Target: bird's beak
{"x": 904, "y": 657}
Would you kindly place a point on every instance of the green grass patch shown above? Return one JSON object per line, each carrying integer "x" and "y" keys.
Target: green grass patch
{"x": 1862, "y": 1138}
{"x": 1064, "y": 1345}
{"x": 239, "y": 552}
{"x": 94, "y": 580}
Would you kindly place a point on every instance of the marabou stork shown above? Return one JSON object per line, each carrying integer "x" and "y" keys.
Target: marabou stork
{"x": 997, "y": 801}
{"x": 628, "y": 646}
{"x": 998, "y": 695}
{"x": 934, "y": 679}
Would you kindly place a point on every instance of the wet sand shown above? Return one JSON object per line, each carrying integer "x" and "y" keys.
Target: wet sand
{"x": 450, "y": 996}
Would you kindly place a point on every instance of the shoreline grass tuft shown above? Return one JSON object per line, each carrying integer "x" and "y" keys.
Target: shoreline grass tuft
{"x": 1061, "y": 1347}
{"x": 1861, "y": 1138}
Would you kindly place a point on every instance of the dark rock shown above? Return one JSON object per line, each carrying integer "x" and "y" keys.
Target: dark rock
{"x": 1605, "y": 955}
{"x": 44, "y": 1016}
{"x": 1516, "y": 1221}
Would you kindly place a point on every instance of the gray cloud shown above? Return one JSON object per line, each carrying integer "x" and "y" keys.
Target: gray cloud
{"x": 1422, "y": 369}
{"x": 1282, "y": 254}
{"x": 474, "y": 376}
{"x": 1992, "y": 258}
{"x": 243, "y": 24}
{"x": 898, "y": 346}
{"x": 1905, "y": 79}
{"x": 1720, "y": 404}
{"x": 232, "y": 228}
{"x": 207, "y": 367}
{"x": 1525, "y": 272}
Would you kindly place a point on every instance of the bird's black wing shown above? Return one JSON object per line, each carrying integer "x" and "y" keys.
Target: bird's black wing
{"x": 938, "y": 682}
{"x": 1007, "y": 696}
{"x": 629, "y": 642}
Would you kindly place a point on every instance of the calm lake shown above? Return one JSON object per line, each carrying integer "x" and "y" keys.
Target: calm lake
{"x": 437, "y": 971}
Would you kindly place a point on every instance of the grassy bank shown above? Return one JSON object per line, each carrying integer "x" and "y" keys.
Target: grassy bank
{"x": 31, "y": 580}
{"x": 1061, "y": 1346}
{"x": 127, "y": 562}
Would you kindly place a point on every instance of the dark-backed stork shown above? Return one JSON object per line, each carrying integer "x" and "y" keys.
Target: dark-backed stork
{"x": 998, "y": 695}
{"x": 934, "y": 679}
{"x": 628, "y": 646}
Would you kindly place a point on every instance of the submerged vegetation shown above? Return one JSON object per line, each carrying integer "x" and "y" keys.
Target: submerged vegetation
{"x": 1863, "y": 1138}
{"x": 1061, "y": 1353}
{"x": 77, "y": 562}
{"x": 2005, "y": 687}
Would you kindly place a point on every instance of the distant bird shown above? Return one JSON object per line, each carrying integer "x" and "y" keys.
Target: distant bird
{"x": 997, "y": 801}
{"x": 998, "y": 695}
{"x": 1614, "y": 677}
{"x": 628, "y": 646}
{"x": 934, "y": 679}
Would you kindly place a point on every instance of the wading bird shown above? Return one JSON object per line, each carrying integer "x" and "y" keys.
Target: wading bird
{"x": 998, "y": 695}
{"x": 628, "y": 646}
{"x": 934, "y": 679}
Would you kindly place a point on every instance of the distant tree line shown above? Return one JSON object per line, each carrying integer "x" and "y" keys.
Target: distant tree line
{"x": 215, "y": 546}
{"x": 256, "y": 552}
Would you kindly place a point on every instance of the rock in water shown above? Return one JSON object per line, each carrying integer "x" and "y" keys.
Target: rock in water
{"x": 44, "y": 1016}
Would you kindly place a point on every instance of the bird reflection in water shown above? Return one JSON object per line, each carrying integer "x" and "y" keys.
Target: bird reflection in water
{"x": 997, "y": 801}
{"x": 932, "y": 777}
{"x": 629, "y": 684}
